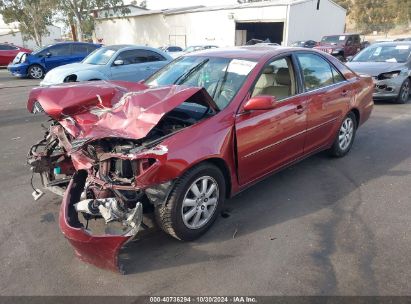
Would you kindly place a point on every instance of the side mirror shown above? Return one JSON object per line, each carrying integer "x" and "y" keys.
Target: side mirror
{"x": 118, "y": 62}
{"x": 349, "y": 58}
{"x": 263, "y": 102}
{"x": 48, "y": 54}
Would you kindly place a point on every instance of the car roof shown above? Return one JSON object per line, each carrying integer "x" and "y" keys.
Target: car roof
{"x": 117, "y": 47}
{"x": 247, "y": 52}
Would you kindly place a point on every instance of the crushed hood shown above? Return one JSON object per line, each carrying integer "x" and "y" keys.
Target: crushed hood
{"x": 113, "y": 109}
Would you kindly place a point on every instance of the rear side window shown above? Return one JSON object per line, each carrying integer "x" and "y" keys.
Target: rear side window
{"x": 6, "y": 47}
{"x": 59, "y": 50}
{"x": 337, "y": 75}
{"x": 317, "y": 72}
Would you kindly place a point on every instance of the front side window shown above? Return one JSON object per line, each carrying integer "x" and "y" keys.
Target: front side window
{"x": 221, "y": 77}
{"x": 277, "y": 79}
{"x": 79, "y": 49}
{"x": 59, "y": 50}
{"x": 139, "y": 56}
{"x": 317, "y": 71}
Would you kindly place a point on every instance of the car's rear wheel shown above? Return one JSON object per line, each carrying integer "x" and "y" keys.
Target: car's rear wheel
{"x": 345, "y": 136}
{"x": 404, "y": 94}
{"x": 193, "y": 204}
{"x": 35, "y": 71}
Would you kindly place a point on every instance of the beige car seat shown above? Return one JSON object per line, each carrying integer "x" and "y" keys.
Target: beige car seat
{"x": 266, "y": 80}
{"x": 282, "y": 88}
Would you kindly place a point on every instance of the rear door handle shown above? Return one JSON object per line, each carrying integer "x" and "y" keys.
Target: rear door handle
{"x": 299, "y": 109}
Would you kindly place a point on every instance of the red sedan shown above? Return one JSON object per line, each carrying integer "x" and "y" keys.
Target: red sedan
{"x": 9, "y": 51}
{"x": 197, "y": 132}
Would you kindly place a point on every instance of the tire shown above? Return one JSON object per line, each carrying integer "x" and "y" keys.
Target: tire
{"x": 35, "y": 71}
{"x": 170, "y": 215}
{"x": 404, "y": 94}
{"x": 345, "y": 136}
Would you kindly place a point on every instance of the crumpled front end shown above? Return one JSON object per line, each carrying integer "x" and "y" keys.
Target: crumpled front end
{"x": 100, "y": 250}
{"x": 108, "y": 159}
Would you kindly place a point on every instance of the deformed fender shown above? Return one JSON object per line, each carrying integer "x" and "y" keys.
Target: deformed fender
{"x": 101, "y": 251}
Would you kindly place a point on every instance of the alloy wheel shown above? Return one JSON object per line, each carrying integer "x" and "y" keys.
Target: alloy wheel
{"x": 405, "y": 92}
{"x": 36, "y": 72}
{"x": 346, "y": 133}
{"x": 200, "y": 202}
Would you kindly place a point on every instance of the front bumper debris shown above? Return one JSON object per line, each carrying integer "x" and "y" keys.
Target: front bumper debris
{"x": 99, "y": 250}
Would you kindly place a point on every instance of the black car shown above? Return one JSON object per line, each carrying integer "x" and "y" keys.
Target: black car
{"x": 305, "y": 43}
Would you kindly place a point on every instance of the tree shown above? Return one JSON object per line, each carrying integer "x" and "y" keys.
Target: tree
{"x": 347, "y": 4}
{"x": 33, "y": 16}
{"x": 374, "y": 15}
{"x": 82, "y": 12}
{"x": 403, "y": 9}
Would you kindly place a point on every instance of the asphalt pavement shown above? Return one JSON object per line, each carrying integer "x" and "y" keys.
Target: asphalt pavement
{"x": 321, "y": 227}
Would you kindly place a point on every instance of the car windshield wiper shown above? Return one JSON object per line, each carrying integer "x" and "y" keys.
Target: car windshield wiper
{"x": 195, "y": 68}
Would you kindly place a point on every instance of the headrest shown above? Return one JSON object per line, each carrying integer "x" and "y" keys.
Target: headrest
{"x": 283, "y": 77}
{"x": 268, "y": 69}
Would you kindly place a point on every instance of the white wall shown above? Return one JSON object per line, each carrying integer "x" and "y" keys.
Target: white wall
{"x": 305, "y": 22}
{"x": 143, "y": 30}
{"x": 209, "y": 27}
{"x": 17, "y": 39}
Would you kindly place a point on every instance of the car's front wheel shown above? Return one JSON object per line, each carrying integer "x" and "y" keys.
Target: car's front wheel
{"x": 193, "y": 204}
{"x": 35, "y": 71}
{"x": 345, "y": 136}
{"x": 404, "y": 94}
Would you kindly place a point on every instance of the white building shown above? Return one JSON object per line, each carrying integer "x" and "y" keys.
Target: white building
{"x": 9, "y": 33}
{"x": 281, "y": 21}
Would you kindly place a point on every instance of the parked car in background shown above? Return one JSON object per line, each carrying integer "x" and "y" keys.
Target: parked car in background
{"x": 340, "y": 46}
{"x": 193, "y": 48}
{"x": 403, "y": 39}
{"x": 38, "y": 63}
{"x": 171, "y": 49}
{"x": 116, "y": 62}
{"x": 389, "y": 63}
{"x": 200, "y": 130}
{"x": 304, "y": 43}
{"x": 9, "y": 51}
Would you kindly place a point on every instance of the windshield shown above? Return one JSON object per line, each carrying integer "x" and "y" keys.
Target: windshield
{"x": 333, "y": 39}
{"x": 100, "y": 56}
{"x": 221, "y": 77}
{"x": 386, "y": 53}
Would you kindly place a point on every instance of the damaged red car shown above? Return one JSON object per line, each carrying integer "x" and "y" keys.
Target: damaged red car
{"x": 197, "y": 132}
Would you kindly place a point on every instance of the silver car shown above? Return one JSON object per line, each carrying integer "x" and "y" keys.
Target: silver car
{"x": 115, "y": 62}
{"x": 389, "y": 63}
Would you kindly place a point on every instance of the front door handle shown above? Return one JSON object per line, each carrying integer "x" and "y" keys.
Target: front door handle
{"x": 299, "y": 109}
{"x": 344, "y": 93}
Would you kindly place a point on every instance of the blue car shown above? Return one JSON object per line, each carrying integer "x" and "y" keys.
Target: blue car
{"x": 35, "y": 65}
